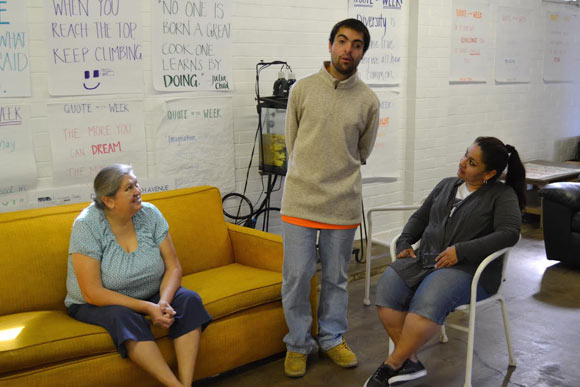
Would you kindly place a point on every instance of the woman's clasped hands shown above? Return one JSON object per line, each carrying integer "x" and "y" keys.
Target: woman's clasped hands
{"x": 161, "y": 314}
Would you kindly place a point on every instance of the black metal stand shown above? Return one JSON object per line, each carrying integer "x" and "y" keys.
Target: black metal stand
{"x": 265, "y": 205}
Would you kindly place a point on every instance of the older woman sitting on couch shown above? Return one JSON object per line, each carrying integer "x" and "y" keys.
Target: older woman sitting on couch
{"x": 123, "y": 267}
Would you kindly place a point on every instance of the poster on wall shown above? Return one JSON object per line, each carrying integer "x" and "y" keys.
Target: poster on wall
{"x": 512, "y": 56}
{"x": 14, "y": 57}
{"x": 381, "y": 64}
{"x": 383, "y": 163}
{"x": 47, "y": 197}
{"x": 17, "y": 163}
{"x": 195, "y": 142}
{"x": 469, "y": 36}
{"x": 94, "y": 47}
{"x": 87, "y": 136}
{"x": 191, "y": 45}
{"x": 561, "y": 47}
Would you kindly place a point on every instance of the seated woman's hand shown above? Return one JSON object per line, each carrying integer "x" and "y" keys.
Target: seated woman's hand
{"x": 158, "y": 317}
{"x": 407, "y": 253}
{"x": 447, "y": 258}
{"x": 166, "y": 309}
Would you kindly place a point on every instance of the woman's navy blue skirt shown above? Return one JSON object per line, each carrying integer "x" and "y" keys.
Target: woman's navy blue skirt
{"x": 124, "y": 324}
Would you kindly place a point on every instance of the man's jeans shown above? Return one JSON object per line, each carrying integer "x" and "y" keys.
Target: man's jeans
{"x": 300, "y": 260}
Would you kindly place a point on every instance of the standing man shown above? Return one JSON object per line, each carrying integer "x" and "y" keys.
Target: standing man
{"x": 331, "y": 125}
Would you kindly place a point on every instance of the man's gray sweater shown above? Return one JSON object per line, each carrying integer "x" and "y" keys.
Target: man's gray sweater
{"x": 331, "y": 128}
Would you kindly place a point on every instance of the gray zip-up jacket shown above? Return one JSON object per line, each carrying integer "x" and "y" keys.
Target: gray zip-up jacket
{"x": 331, "y": 128}
{"x": 488, "y": 220}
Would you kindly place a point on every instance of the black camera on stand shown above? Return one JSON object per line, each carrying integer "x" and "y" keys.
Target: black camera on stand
{"x": 282, "y": 85}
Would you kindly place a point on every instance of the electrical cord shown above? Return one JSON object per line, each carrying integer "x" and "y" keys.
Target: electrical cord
{"x": 238, "y": 217}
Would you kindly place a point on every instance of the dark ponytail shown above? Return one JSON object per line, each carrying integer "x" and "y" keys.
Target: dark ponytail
{"x": 496, "y": 156}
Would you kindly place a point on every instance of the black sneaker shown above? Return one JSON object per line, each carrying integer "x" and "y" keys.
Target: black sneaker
{"x": 381, "y": 377}
{"x": 409, "y": 371}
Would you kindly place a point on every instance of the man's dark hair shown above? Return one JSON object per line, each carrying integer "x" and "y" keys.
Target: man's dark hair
{"x": 353, "y": 24}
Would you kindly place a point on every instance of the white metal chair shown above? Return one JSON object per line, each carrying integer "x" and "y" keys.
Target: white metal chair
{"x": 471, "y": 308}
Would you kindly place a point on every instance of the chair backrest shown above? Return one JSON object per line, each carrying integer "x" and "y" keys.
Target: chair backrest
{"x": 504, "y": 265}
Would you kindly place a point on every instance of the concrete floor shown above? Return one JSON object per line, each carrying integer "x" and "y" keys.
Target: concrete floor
{"x": 543, "y": 303}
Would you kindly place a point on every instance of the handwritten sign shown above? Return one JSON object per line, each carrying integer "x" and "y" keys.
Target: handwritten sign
{"x": 17, "y": 164}
{"x": 381, "y": 63}
{"x": 192, "y": 45}
{"x": 195, "y": 142}
{"x": 87, "y": 136}
{"x": 384, "y": 159}
{"x": 560, "y": 46}
{"x": 94, "y": 47}
{"x": 512, "y": 58}
{"x": 469, "y": 30}
{"x": 14, "y": 57}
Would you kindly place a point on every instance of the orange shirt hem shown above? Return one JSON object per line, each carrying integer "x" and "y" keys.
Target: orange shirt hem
{"x": 311, "y": 224}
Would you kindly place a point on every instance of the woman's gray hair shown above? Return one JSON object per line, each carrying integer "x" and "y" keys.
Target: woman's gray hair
{"x": 108, "y": 181}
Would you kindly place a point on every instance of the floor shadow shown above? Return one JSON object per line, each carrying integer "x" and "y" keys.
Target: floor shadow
{"x": 211, "y": 380}
{"x": 508, "y": 375}
{"x": 560, "y": 286}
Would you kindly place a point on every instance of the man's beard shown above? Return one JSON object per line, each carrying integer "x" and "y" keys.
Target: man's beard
{"x": 344, "y": 69}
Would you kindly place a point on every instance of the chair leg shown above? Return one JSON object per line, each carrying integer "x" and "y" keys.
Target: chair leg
{"x": 470, "y": 340}
{"x": 507, "y": 333}
{"x": 443, "y": 335}
{"x": 367, "y": 299}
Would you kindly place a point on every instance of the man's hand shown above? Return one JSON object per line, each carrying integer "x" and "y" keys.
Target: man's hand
{"x": 447, "y": 258}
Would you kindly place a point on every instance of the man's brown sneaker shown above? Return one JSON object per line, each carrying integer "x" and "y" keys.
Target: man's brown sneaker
{"x": 342, "y": 355}
{"x": 295, "y": 364}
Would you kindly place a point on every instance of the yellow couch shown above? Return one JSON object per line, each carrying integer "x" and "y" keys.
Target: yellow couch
{"x": 236, "y": 270}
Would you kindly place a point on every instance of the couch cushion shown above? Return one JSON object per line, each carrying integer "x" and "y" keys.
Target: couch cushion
{"x": 197, "y": 226}
{"x": 34, "y": 257}
{"x": 36, "y": 338}
{"x": 231, "y": 288}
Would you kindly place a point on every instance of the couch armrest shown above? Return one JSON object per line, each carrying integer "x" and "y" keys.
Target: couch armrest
{"x": 256, "y": 248}
{"x": 567, "y": 194}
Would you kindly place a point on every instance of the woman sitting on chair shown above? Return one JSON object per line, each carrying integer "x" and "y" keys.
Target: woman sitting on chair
{"x": 462, "y": 221}
{"x": 123, "y": 267}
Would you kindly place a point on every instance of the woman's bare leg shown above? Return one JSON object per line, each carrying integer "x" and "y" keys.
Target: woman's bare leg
{"x": 417, "y": 330}
{"x": 186, "y": 348}
{"x": 147, "y": 355}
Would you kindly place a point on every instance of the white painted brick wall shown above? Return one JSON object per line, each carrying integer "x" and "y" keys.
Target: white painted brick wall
{"x": 438, "y": 120}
